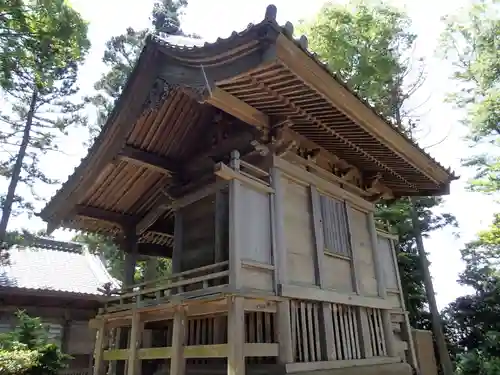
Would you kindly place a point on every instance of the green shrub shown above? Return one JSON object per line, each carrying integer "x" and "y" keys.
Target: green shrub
{"x": 26, "y": 350}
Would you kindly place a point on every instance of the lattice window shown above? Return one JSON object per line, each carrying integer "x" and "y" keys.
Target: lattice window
{"x": 335, "y": 226}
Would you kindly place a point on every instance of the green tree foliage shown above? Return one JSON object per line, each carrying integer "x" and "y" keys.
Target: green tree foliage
{"x": 114, "y": 259}
{"x": 370, "y": 47}
{"x": 398, "y": 215}
{"x": 471, "y": 42}
{"x": 27, "y": 350}
{"x": 43, "y": 43}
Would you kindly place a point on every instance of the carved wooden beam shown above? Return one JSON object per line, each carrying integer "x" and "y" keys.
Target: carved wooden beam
{"x": 124, "y": 221}
{"x": 104, "y": 215}
{"x": 378, "y": 190}
{"x": 238, "y": 108}
{"x": 153, "y": 215}
{"x": 151, "y": 249}
{"x": 167, "y": 203}
{"x": 147, "y": 159}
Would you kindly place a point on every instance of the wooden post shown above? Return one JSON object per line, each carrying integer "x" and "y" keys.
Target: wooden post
{"x": 99, "y": 365}
{"x": 151, "y": 272}
{"x": 220, "y": 255}
{"x": 177, "y": 251}
{"x": 364, "y": 328}
{"x": 178, "y": 362}
{"x": 130, "y": 248}
{"x": 235, "y": 226}
{"x": 326, "y": 321}
{"x": 65, "y": 334}
{"x": 236, "y": 336}
{"x": 134, "y": 363}
{"x": 361, "y": 313}
{"x": 279, "y": 225}
{"x": 280, "y": 266}
{"x": 412, "y": 357}
{"x": 219, "y": 227}
{"x": 381, "y": 286}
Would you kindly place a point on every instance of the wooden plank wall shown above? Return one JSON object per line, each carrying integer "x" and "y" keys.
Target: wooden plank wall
{"x": 299, "y": 235}
{"x": 399, "y": 319}
{"x": 256, "y": 252}
{"x": 198, "y": 234}
{"x": 362, "y": 247}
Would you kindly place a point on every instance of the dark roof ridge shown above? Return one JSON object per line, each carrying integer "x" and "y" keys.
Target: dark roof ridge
{"x": 55, "y": 245}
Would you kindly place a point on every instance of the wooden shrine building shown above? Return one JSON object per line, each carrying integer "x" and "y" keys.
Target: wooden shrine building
{"x": 256, "y": 170}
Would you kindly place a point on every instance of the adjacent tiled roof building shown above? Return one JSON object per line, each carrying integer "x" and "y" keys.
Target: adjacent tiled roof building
{"x": 48, "y": 265}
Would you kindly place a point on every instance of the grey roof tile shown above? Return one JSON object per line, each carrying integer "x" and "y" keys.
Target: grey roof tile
{"x": 55, "y": 266}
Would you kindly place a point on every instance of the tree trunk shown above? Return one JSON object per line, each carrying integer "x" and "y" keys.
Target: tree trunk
{"x": 437, "y": 328}
{"x": 16, "y": 172}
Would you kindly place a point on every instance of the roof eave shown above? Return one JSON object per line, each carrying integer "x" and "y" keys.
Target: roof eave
{"x": 321, "y": 79}
{"x": 81, "y": 175}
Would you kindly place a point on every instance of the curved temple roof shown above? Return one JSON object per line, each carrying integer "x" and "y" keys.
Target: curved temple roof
{"x": 260, "y": 76}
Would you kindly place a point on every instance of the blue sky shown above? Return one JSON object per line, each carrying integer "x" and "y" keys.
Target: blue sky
{"x": 218, "y": 18}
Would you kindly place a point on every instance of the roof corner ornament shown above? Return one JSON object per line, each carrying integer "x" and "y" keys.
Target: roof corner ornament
{"x": 271, "y": 12}
{"x": 303, "y": 42}
{"x": 288, "y": 29}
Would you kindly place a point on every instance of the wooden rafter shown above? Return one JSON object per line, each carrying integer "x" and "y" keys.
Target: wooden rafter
{"x": 148, "y": 159}
{"x": 322, "y": 82}
{"x": 320, "y": 124}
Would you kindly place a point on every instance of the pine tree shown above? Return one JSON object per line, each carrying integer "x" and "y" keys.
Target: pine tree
{"x": 46, "y": 49}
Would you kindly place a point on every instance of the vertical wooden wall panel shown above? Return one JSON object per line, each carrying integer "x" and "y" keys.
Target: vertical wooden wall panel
{"x": 255, "y": 226}
{"x": 299, "y": 236}
{"x": 388, "y": 266}
{"x": 198, "y": 240}
{"x": 361, "y": 245}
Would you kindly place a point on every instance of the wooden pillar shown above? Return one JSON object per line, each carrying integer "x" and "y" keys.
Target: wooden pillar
{"x": 407, "y": 331}
{"x": 134, "y": 363}
{"x": 220, "y": 254}
{"x": 129, "y": 246}
{"x": 236, "y": 336}
{"x": 280, "y": 266}
{"x": 219, "y": 227}
{"x": 235, "y": 213}
{"x": 65, "y": 334}
{"x": 177, "y": 252}
{"x": 326, "y": 322}
{"x": 99, "y": 364}
{"x": 279, "y": 226}
{"x": 382, "y": 288}
{"x": 151, "y": 272}
{"x": 178, "y": 362}
{"x": 361, "y": 313}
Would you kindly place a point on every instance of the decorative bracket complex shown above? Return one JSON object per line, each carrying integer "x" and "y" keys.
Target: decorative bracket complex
{"x": 162, "y": 89}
